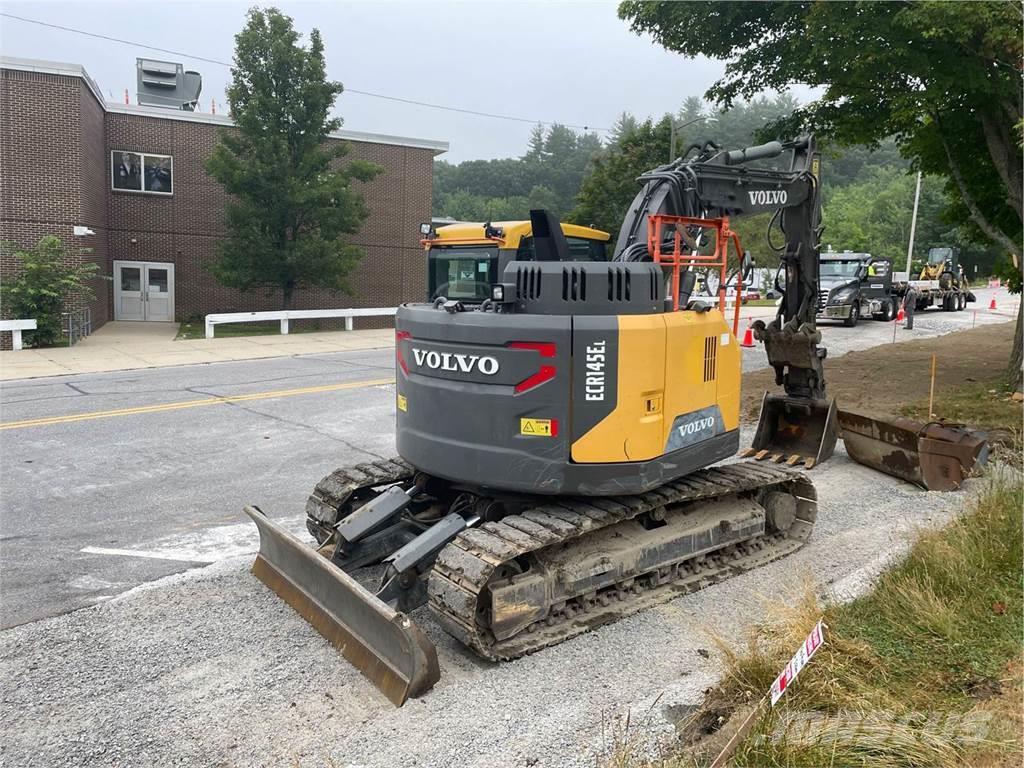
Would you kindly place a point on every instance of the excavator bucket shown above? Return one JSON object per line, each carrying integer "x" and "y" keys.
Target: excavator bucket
{"x": 795, "y": 430}
{"x": 383, "y": 644}
{"x": 935, "y": 456}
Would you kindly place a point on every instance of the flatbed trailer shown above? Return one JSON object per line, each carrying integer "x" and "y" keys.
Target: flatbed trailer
{"x": 931, "y": 293}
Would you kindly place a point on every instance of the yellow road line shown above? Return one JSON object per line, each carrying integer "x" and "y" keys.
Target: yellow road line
{"x": 192, "y": 404}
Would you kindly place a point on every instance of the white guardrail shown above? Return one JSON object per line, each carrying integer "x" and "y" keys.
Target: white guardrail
{"x": 294, "y": 314}
{"x": 16, "y": 327}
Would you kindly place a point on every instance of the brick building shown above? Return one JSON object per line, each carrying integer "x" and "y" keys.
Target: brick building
{"x": 134, "y": 177}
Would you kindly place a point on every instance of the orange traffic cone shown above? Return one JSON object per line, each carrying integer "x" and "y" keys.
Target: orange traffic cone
{"x": 748, "y": 338}
{"x": 901, "y": 315}
{"x": 992, "y": 304}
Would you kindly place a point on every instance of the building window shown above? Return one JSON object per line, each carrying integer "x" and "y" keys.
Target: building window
{"x": 141, "y": 172}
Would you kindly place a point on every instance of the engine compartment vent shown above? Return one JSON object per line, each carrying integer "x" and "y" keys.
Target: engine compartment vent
{"x": 528, "y": 280}
{"x": 619, "y": 284}
{"x": 710, "y": 357}
{"x": 574, "y": 284}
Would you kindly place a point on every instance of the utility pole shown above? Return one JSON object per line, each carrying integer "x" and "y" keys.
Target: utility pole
{"x": 913, "y": 224}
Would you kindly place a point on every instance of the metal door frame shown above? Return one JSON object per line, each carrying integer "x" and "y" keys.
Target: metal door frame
{"x": 144, "y": 286}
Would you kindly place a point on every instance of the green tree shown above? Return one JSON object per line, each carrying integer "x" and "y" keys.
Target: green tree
{"x": 874, "y": 213}
{"x": 40, "y": 290}
{"x": 610, "y": 187}
{"x": 943, "y": 79}
{"x": 556, "y": 159}
{"x": 291, "y": 202}
{"x": 625, "y": 124}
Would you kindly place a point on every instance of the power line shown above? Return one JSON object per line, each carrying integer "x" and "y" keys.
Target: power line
{"x": 370, "y": 94}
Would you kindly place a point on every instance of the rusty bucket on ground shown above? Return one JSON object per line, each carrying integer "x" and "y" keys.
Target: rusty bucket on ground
{"x": 933, "y": 455}
{"x": 795, "y": 430}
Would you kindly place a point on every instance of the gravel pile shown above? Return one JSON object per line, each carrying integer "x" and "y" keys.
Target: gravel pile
{"x": 209, "y": 668}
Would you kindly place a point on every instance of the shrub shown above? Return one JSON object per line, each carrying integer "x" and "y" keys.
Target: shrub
{"x": 46, "y": 281}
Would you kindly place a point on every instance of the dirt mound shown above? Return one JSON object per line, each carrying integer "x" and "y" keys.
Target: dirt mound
{"x": 882, "y": 380}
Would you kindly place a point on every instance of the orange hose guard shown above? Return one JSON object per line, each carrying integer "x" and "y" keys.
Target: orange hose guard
{"x": 684, "y": 254}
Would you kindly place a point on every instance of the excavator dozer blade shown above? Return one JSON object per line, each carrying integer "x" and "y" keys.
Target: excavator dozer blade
{"x": 795, "y": 430}
{"x": 935, "y": 456}
{"x": 382, "y": 643}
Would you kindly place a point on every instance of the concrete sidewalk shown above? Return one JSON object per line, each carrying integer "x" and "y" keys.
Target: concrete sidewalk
{"x": 120, "y": 346}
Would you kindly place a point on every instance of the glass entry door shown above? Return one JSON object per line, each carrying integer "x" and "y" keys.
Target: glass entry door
{"x": 143, "y": 291}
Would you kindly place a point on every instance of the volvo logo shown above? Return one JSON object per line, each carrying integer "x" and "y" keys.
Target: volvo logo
{"x": 452, "y": 361}
{"x": 768, "y": 196}
{"x": 692, "y": 428}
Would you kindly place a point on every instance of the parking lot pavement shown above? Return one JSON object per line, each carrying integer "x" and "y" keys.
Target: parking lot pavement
{"x": 838, "y": 339}
{"x": 142, "y": 472}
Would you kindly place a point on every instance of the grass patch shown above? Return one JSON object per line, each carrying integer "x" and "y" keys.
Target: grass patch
{"x": 924, "y": 670}
{"x": 974, "y": 403}
{"x": 196, "y": 329}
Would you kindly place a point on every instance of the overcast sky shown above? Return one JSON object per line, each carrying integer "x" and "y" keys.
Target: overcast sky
{"x": 570, "y": 62}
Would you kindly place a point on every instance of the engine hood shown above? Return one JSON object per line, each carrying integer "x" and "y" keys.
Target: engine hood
{"x": 835, "y": 285}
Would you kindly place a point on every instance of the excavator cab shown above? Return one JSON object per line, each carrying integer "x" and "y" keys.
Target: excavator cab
{"x": 465, "y": 259}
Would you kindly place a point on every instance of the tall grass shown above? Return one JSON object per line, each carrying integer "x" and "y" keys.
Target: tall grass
{"x": 904, "y": 664}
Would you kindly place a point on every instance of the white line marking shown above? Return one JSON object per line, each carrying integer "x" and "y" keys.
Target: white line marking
{"x": 143, "y": 553}
{"x": 210, "y": 545}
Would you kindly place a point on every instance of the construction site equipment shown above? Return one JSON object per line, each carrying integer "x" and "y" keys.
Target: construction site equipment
{"x": 556, "y": 436}
{"x": 934, "y": 455}
{"x": 856, "y": 285}
{"x": 465, "y": 259}
{"x": 941, "y": 283}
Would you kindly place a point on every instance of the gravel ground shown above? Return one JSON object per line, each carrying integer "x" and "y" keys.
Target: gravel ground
{"x": 209, "y": 668}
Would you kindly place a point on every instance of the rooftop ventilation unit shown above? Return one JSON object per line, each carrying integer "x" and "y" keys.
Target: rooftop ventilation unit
{"x": 167, "y": 84}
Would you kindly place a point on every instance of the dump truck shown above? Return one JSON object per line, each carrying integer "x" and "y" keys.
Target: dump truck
{"x": 856, "y": 285}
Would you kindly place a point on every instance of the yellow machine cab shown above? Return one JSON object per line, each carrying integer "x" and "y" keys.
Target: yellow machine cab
{"x": 464, "y": 259}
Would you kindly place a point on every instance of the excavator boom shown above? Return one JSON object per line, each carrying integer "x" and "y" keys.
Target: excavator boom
{"x": 799, "y": 426}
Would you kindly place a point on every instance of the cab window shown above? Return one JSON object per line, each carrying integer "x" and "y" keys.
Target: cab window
{"x": 465, "y": 274}
{"x": 580, "y": 249}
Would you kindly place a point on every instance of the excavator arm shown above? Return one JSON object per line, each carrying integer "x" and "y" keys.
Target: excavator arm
{"x": 716, "y": 184}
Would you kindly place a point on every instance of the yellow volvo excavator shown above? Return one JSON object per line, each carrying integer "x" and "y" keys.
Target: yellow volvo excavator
{"x": 556, "y": 425}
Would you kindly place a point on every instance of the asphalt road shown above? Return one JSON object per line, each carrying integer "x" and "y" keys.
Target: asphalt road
{"x": 112, "y": 480}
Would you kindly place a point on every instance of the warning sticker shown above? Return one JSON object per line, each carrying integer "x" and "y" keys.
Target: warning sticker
{"x": 403, "y": 404}
{"x": 538, "y": 427}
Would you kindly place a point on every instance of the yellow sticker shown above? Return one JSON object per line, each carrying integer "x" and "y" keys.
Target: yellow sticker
{"x": 403, "y": 404}
{"x": 538, "y": 427}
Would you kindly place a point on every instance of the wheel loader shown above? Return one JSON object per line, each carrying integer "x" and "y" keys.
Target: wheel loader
{"x": 559, "y": 438}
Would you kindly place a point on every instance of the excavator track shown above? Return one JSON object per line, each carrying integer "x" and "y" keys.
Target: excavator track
{"x": 335, "y": 496}
{"x": 468, "y": 568}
